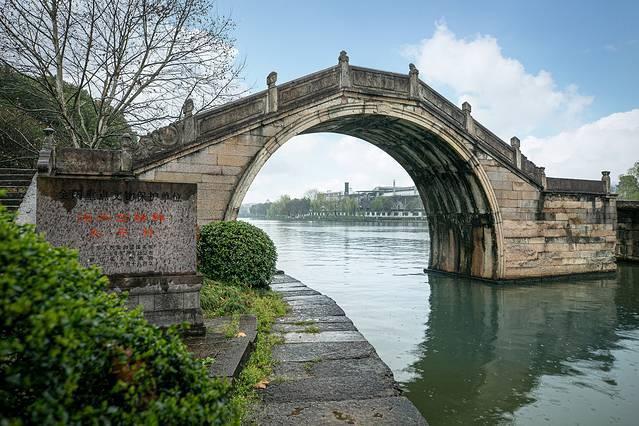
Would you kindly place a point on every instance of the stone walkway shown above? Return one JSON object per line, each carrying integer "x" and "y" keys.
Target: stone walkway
{"x": 327, "y": 372}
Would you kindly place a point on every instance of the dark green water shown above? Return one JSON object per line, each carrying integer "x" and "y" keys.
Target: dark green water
{"x": 466, "y": 352}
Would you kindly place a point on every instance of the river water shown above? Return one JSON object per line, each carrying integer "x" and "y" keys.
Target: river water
{"x": 466, "y": 352}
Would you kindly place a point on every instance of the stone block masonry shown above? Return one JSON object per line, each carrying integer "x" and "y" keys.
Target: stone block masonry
{"x": 628, "y": 231}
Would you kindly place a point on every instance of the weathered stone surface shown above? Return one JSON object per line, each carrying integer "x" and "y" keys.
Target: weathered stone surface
{"x": 229, "y": 353}
{"x": 310, "y": 311}
{"x": 628, "y": 231}
{"x": 301, "y": 352}
{"x": 323, "y": 336}
{"x": 331, "y": 388}
{"x": 374, "y": 411}
{"x": 371, "y": 366}
{"x": 73, "y": 161}
{"x": 309, "y": 301}
{"x": 302, "y": 327}
{"x": 292, "y": 318}
{"x": 125, "y": 226}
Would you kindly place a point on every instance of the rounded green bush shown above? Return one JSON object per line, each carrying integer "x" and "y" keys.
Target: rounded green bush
{"x": 236, "y": 252}
{"x": 71, "y": 353}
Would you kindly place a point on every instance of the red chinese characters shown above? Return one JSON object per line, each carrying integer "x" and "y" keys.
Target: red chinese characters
{"x": 137, "y": 223}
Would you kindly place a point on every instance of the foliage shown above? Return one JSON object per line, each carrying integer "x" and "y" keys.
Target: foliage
{"x": 628, "y": 188}
{"x": 71, "y": 353}
{"x": 93, "y": 62}
{"x": 226, "y": 299}
{"x": 236, "y": 252}
{"x": 25, "y": 111}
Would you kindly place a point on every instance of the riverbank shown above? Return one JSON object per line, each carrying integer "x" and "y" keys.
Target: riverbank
{"x": 325, "y": 370}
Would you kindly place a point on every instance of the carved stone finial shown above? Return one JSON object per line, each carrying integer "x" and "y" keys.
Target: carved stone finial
{"x": 126, "y": 160}
{"x": 46, "y": 156}
{"x": 413, "y": 81}
{"x": 344, "y": 70}
{"x": 271, "y": 79}
{"x": 49, "y": 142}
{"x": 605, "y": 178}
{"x": 542, "y": 174}
{"x": 271, "y": 92}
{"x": 466, "y": 107}
{"x": 343, "y": 57}
{"x": 187, "y": 108}
{"x": 516, "y": 144}
{"x": 126, "y": 142}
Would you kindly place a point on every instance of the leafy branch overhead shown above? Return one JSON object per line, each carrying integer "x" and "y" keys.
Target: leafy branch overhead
{"x": 97, "y": 62}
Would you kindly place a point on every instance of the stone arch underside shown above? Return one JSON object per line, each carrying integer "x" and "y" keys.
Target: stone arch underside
{"x": 463, "y": 229}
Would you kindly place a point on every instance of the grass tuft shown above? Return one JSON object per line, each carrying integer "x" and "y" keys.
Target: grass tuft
{"x": 219, "y": 299}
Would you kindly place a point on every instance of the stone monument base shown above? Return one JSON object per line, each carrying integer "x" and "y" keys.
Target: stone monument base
{"x": 165, "y": 299}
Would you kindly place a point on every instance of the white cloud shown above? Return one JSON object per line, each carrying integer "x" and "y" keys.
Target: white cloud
{"x": 504, "y": 96}
{"x": 610, "y": 143}
{"x": 510, "y": 100}
{"x": 324, "y": 162}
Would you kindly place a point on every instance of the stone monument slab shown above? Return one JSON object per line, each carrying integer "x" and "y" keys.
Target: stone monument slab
{"x": 142, "y": 235}
{"x": 126, "y": 226}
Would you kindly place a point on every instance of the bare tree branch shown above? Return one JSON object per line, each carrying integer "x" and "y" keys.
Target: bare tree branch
{"x": 119, "y": 65}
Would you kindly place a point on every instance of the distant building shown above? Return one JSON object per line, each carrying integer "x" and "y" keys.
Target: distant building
{"x": 401, "y": 200}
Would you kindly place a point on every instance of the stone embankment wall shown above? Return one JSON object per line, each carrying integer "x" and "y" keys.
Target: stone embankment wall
{"x": 628, "y": 230}
{"x": 566, "y": 228}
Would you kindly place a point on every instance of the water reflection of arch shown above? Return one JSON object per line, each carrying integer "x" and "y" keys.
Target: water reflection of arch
{"x": 486, "y": 346}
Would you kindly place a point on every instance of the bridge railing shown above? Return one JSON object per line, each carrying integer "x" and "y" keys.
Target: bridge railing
{"x": 576, "y": 185}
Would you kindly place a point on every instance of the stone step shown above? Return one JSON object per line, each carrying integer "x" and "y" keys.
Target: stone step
{"x": 396, "y": 410}
{"x": 229, "y": 353}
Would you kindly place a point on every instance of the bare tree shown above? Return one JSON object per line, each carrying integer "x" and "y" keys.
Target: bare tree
{"x": 107, "y": 66}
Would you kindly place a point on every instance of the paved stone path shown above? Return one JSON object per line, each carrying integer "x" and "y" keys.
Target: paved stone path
{"x": 327, "y": 372}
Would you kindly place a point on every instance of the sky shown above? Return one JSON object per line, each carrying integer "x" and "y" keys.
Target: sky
{"x": 562, "y": 76}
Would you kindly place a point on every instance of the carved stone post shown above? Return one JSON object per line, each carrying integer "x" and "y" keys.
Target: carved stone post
{"x": 413, "y": 81}
{"x": 344, "y": 70}
{"x": 605, "y": 178}
{"x": 271, "y": 93}
{"x": 542, "y": 174}
{"x": 46, "y": 157}
{"x": 188, "y": 122}
{"x": 516, "y": 144}
{"x": 469, "y": 123}
{"x": 126, "y": 159}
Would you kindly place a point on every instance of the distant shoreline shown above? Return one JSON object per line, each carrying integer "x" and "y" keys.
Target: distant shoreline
{"x": 354, "y": 219}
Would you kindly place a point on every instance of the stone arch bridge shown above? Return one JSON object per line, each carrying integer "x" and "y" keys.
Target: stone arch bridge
{"x": 492, "y": 213}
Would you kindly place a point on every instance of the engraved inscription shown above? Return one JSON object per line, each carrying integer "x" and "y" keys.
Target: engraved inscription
{"x": 124, "y": 226}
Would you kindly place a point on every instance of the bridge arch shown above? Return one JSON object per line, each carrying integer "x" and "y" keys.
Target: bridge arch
{"x": 493, "y": 213}
{"x": 462, "y": 209}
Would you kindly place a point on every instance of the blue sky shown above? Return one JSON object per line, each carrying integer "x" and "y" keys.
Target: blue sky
{"x": 582, "y": 54}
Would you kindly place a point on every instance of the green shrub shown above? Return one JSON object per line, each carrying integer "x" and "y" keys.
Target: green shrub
{"x": 236, "y": 252}
{"x": 70, "y": 353}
